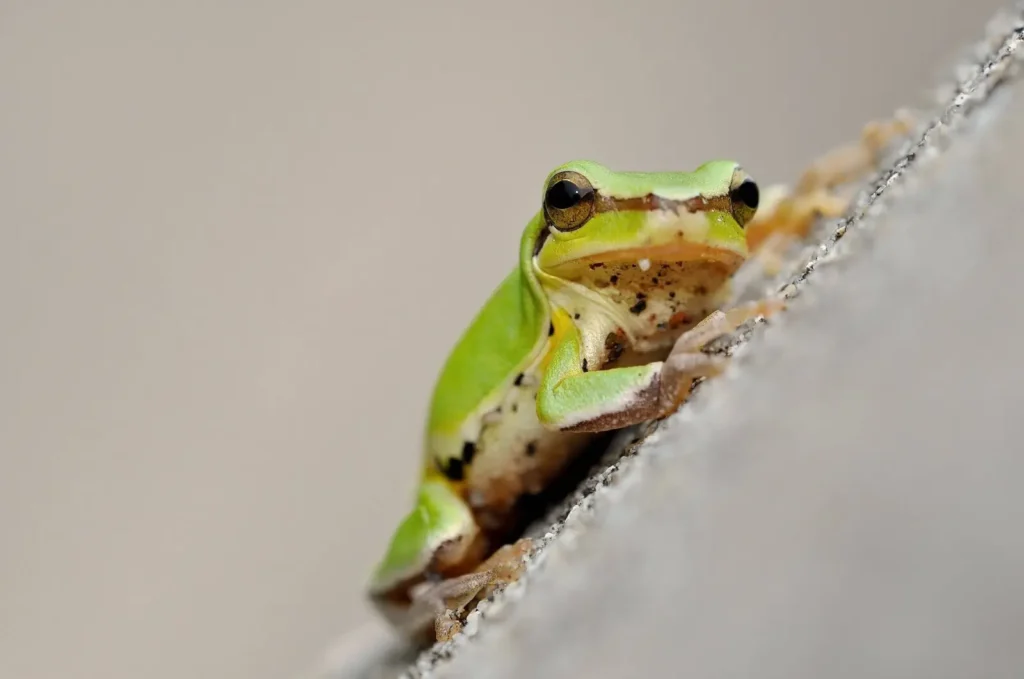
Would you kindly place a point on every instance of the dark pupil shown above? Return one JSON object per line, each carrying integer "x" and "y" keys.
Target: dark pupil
{"x": 564, "y": 195}
{"x": 747, "y": 194}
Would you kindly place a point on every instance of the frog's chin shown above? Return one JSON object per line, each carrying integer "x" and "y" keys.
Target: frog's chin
{"x": 673, "y": 253}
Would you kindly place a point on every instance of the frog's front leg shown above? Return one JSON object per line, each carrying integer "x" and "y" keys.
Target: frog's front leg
{"x": 573, "y": 399}
{"x": 450, "y": 598}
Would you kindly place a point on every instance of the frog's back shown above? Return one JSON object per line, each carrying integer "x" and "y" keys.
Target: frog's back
{"x": 501, "y": 341}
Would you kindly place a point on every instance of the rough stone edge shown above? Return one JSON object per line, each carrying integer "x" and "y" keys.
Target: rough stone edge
{"x": 985, "y": 68}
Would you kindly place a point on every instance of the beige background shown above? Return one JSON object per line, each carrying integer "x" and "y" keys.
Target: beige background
{"x": 230, "y": 269}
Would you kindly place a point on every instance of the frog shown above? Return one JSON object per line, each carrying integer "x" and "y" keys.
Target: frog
{"x": 622, "y": 279}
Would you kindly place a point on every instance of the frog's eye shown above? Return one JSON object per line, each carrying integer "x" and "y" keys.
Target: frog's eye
{"x": 568, "y": 201}
{"x": 744, "y": 195}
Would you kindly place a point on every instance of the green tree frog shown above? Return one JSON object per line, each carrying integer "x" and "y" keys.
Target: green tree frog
{"x": 621, "y": 279}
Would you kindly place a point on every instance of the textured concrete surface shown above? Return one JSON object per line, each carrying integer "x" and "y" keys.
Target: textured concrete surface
{"x": 846, "y": 501}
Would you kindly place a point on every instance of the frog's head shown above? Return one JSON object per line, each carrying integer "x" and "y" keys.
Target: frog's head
{"x": 623, "y": 233}
{"x": 439, "y": 538}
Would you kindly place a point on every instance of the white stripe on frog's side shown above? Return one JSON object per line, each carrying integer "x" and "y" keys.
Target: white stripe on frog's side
{"x": 443, "y": 447}
{"x": 516, "y": 454}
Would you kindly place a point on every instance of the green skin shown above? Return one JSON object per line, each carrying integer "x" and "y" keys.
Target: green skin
{"x": 571, "y": 343}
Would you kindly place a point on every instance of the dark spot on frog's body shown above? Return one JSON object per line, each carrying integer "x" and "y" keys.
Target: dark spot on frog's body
{"x": 453, "y": 469}
{"x": 654, "y": 281}
{"x": 531, "y": 449}
{"x": 614, "y": 347}
{"x": 515, "y": 407}
{"x": 468, "y": 451}
{"x": 585, "y": 365}
{"x": 519, "y": 380}
{"x": 576, "y": 316}
{"x": 614, "y": 279}
{"x": 551, "y": 329}
{"x": 700, "y": 290}
{"x": 672, "y": 294}
{"x": 640, "y": 305}
{"x": 597, "y": 265}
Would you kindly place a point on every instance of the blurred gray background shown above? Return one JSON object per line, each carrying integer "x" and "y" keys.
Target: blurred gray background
{"x": 230, "y": 269}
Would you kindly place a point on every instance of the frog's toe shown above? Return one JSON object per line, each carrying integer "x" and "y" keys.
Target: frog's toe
{"x": 719, "y": 323}
{"x": 447, "y": 625}
{"x": 686, "y": 355}
{"x": 507, "y": 563}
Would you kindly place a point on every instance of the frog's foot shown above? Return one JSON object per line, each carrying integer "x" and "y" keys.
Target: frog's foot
{"x": 722, "y": 323}
{"x": 848, "y": 163}
{"x": 453, "y": 598}
{"x": 764, "y": 263}
{"x": 686, "y": 362}
{"x": 786, "y": 217}
{"x": 772, "y": 235}
{"x": 447, "y": 625}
